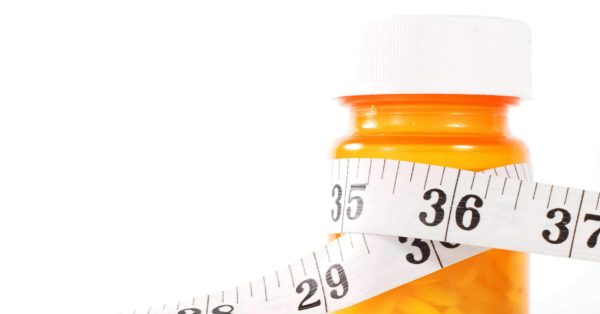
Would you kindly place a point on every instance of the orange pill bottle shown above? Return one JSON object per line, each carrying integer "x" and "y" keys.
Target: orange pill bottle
{"x": 437, "y": 89}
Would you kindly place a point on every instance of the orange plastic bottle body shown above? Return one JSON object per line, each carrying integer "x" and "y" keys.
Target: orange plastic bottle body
{"x": 461, "y": 131}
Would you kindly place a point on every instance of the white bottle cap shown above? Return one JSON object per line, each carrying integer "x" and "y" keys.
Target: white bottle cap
{"x": 444, "y": 55}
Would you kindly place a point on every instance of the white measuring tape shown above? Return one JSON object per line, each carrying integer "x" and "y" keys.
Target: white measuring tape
{"x": 378, "y": 203}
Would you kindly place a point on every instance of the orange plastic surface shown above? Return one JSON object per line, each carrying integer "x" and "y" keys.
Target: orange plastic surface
{"x": 462, "y": 131}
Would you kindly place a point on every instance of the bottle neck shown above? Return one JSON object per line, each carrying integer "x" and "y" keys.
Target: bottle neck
{"x": 469, "y": 115}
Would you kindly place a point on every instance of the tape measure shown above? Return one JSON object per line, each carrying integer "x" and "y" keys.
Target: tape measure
{"x": 401, "y": 221}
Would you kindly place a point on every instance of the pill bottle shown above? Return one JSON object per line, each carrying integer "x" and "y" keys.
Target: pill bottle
{"x": 436, "y": 90}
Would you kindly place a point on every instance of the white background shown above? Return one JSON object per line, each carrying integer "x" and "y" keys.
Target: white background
{"x": 154, "y": 150}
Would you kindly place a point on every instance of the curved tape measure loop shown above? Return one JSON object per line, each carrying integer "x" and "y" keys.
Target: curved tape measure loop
{"x": 403, "y": 220}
